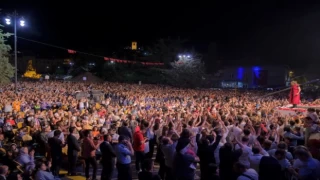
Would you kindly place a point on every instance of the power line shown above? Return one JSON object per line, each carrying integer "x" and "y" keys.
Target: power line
{"x": 59, "y": 47}
{"x": 90, "y": 54}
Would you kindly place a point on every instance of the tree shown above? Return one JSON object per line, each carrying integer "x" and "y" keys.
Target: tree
{"x": 187, "y": 71}
{"x": 6, "y": 69}
{"x": 166, "y": 50}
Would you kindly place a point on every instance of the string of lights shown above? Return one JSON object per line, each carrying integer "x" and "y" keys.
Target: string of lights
{"x": 70, "y": 51}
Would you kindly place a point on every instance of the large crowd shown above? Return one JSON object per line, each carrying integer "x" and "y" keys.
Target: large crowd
{"x": 227, "y": 134}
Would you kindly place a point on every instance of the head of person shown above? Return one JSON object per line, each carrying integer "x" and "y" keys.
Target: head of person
{"x": 122, "y": 139}
{"x": 125, "y": 123}
{"x": 246, "y": 132}
{"x": 239, "y": 168}
{"x": 41, "y": 166}
{"x": 287, "y": 129}
{"x": 282, "y": 146}
{"x": 107, "y": 137}
{"x": 293, "y": 83}
{"x": 24, "y": 150}
{"x": 57, "y": 133}
{"x": 148, "y": 165}
{"x": 302, "y": 153}
{"x": 280, "y": 154}
{"x": 87, "y": 134}
{"x": 255, "y": 150}
{"x": 142, "y": 129}
{"x": 245, "y": 140}
{"x": 4, "y": 170}
{"x": 72, "y": 130}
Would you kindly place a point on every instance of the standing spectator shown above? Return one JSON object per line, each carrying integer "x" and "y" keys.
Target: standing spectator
{"x": 138, "y": 146}
{"x": 56, "y": 152}
{"x": 73, "y": 149}
{"x": 147, "y": 174}
{"x": 185, "y": 159}
{"x": 57, "y": 127}
{"x": 124, "y": 130}
{"x": 124, "y": 152}
{"x": 108, "y": 155}
{"x": 89, "y": 153}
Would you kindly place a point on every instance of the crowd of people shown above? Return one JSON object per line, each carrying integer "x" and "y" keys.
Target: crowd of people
{"x": 226, "y": 134}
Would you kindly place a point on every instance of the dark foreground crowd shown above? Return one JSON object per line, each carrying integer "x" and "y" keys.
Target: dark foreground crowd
{"x": 227, "y": 135}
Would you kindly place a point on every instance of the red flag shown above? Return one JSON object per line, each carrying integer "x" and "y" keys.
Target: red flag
{"x": 106, "y": 58}
{"x": 71, "y": 51}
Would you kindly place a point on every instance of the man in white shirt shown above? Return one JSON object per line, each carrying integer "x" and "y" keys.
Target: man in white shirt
{"x": 246, "y": 151}
{"x": 255, "y": 159}
{"x": 61, "y": 137}
{"x": 235, "y": 132}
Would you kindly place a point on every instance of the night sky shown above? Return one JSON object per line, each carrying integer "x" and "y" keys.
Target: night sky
{"x": 286, "y": 31}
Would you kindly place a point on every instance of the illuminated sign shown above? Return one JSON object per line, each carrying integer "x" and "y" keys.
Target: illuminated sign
{"x": 134, "y": 45}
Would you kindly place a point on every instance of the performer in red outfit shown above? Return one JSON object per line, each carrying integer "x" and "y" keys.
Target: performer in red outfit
{"x": 294, "y": 96}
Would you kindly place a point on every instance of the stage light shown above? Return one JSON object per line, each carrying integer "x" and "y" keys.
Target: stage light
{"x": 22, "y": 22}
{"x": 8, "y": 21}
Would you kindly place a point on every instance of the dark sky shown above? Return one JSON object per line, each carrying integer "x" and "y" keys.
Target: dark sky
{"x": 269, "y": 31}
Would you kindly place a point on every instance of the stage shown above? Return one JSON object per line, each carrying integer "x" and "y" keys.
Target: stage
{"x": 300, "y": 109}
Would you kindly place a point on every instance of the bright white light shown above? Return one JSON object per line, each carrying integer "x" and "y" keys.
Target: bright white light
{"x": 180, "y": 56}
{"x": 112, "y": 62}
{"x": 188, "y": 56}
{"x": 22, "y": 23}
{"x": 8, "y": 21}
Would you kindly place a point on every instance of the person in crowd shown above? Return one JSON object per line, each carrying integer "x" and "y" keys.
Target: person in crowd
{"x": 4, "y": 170}
{"x": 89, "y": 154}
{"x": 283, "y": 147}
{"x": 305, "y": 167}
{"x": 168, "y": 148}
{"x": 270, "y": 168}
{"x": 73, "y": 151}
{"x": 26, "y": 159}
{"x": 293, "y": 138}
{"x": 245, "y": 173}
{"x": 108, "y": 157}
{"x": 161, "y": 113}
{"x": 56, "y": 146}
{"x": 124, "y": 130}
{"x": 42, "y": 173}
{"x": 228, "y": 156}
{"x": 139, "y": 147}
{"x": 8, "y": 160}
{"x": 213, "y": 172}
{"x": 185, "y": 159}
{"x": 59, "y": 127}
{"x": 124, "y": 151}
{"x": 147, "y": 172}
